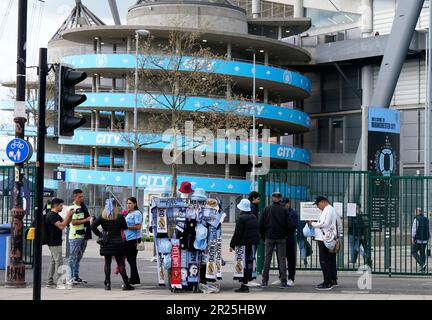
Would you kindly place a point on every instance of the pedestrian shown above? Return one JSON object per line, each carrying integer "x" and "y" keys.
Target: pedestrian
{"x": 133, "y": 234}
{"x": 254, "y": 198}
{"x": 79, "y": 233}
{"x": 124, "y": 214}
{"x": 274, "y": 226}
{"x": 357, "y": 236}
{"x": 291, "y": 244}
{"x": 55, "y": 225}
{"x": 420, "y": 236}
{"x": 326, "y": 224}
{"x": 112, "y": 224}
{"x": 246, "y": 235}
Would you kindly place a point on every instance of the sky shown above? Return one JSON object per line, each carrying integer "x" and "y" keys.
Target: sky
{"x": 42, "y": 22}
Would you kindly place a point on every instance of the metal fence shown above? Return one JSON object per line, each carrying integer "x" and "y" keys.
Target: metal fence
{"x": 7, "y": 175}
{"x": 380, "y": 233}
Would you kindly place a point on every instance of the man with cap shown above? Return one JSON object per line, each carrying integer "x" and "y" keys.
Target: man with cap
{"x": 185, "y": 190}
{"x": 275, "y": 225}
{"x": 325, "y": 223}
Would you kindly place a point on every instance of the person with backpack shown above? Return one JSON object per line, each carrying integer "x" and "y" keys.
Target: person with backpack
{"x": 420, "y": 236}
{"x": 133, "y": 234}
{"x": 53, "y": 226}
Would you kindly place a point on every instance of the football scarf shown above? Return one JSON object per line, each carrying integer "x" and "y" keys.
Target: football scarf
{"x": 239, "y": 262}
{"x": 176, "y": 280}
{"x": 162, "y": 221}
{"x": 193, "y": 267}
{"x": 211, "y": 257}
{"x": 161, "y": 270}
{"x": 184, "y": 268}
{"x": 219, "y": 253}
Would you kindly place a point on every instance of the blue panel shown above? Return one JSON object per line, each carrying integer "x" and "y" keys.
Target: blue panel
{"x": 80, "y": 159}
{"x": 264, "y": 111}
{"x": 384, "y": 120}
{"x": 114, "y": 139}
{"x": 232, "y": 68}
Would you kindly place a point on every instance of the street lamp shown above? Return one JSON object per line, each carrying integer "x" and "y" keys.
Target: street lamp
{"x": 138, "y": 33}
{"x": 253, "y": 51}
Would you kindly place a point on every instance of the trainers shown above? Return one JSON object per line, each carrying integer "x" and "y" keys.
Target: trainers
{"x": 80, "y": 281}
{"x": 253, "y": 284}
{"x": 290, "y": 283}
{"x": 284, "y": 285}
{"x": 135, "y": 284}
{"x": 72, "y": 282}
{"x": 264, "y": 284}
{"x": 127, "y": 287}
{"x": 50, "y": 285}
{"x": 276, "y": 283}
{"x": 243, "y": 288}
{"x": 334, "y": 283}
{"x": 324, "y": 287}
{"x": 63, "y": 287}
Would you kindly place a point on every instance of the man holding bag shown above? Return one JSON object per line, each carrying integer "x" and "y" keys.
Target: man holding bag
{"x": 326, "y": 234}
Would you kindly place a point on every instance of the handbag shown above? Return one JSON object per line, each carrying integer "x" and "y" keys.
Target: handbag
{"x": 140, "y": 245}
{"x": 103, "y": 240}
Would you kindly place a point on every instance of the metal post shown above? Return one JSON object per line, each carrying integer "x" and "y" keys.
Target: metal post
{"x": 253, "y": 125}
{"x": 135, "y": 125}
{"x": 40, "y": 165}
{"x": 427, "y": 142}
{"x": 15, "y": 275}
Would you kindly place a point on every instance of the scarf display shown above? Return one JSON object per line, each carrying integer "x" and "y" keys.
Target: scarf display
{"x": 244, "y": 263}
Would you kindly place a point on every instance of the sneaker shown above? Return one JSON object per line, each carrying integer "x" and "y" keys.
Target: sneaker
{"x": 290, "y": 283}
{"x": 264, "y": 284}
{"x": 72, "y": 282}
{"x": 63, "y": 287}
{"x": 154, "y": 259}
{"x": 253, "y": 284}
{"x": 324, "y": 287}
{"x": 213, "y": 288}
{"x": 80, "y": 281}
{"x": 284, "y": 285}
{"x": 50, "y": 285}
{"x": 276, "y": 283}
{"x": 334, "y": 283}
{"x": 135, "y": 284}
{"x": 243, "y": 288}
{"x": 127, "y": 287}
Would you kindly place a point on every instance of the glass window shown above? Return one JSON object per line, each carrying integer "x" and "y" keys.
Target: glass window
{"x": 326, "y": 18}
{"x": 337, "y": 136}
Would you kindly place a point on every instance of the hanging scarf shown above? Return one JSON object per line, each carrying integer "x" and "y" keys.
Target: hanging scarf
{"x": 109, "y": 210}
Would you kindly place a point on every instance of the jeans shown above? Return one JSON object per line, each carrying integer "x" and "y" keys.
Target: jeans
{"x": 55, "y": 264}
{"x": 328, "y": 263}
{"x": 302, "y": 248}
{"x": 77, "y": 249}
{"x": 354, "y": 247}
{"x": 419, "y": 247}
{"x": 280, "y": 252}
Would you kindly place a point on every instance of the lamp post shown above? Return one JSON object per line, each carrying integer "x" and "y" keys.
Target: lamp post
{"x": 253, "y": 51}
{"x": 138, "y": 33}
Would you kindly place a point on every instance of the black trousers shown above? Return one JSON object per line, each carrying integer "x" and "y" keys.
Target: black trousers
{"x": 291, "y": 255}
{"x": 131, "y": 256}
{"x": 328, "y": 263}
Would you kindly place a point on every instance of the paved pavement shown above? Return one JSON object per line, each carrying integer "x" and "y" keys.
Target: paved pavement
{"x": 383, "y": 287}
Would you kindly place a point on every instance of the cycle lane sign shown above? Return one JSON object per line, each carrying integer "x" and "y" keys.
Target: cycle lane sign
{"x": 19, "y": 150}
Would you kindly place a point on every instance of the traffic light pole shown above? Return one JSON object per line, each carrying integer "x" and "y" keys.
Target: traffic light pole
{"x": 15, "y": 274}
{"x": 40, "y": 165}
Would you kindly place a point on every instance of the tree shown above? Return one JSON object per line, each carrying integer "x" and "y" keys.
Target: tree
{"x": 170, "y": 73}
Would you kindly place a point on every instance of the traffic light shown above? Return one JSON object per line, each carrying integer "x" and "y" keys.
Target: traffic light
{"x": 66, "y": 101}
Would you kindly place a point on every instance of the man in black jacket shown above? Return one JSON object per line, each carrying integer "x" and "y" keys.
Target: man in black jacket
{"x": 275, "y": 225}
{"x": 254, "y": 198}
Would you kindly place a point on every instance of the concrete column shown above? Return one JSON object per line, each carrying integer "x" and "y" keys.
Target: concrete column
{"x": 126, "y": 160}
{"x": 98, "y": 82}
{"x": 266, "y": 58}
{"x": 114, "y": 84}
{"x": 129, "y": 44}
{"x": 265, "y": 95}
{"x": 127, "y": 84}
{"x": 94, "y": 83}
{"x": 92, "y": 121}
{"x": 279, "y": 32}
{"x": 229, "y": 89}
{"x": 91, "y": 158}
{"x": 256, "y": 8}
{"x": 111, "y": 159}
{"x": 298, "y": 9}
{"x": 96, "y": 158}
{"x": 366, "y": 26}
{"x": 99, "y": 45}
{"x": 112, "y": 120}
{"x": 229, "y": 51}
{"x": 227, "y": 168}
{"x": 95, "y": 46}
{"x": 232, "y": 209}
{"x": 367, "y": 84}
{"x": 97, "y": 120}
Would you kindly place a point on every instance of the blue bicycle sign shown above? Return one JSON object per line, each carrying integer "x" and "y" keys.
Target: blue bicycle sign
{"x": 19, "y": 150}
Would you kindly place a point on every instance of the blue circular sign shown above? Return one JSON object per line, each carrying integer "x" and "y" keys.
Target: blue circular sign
{"x": 19, "y": 150}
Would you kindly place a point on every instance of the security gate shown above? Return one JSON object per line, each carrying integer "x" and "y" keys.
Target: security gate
{"x": 378, "y": 233}
{"x": 6, "y": 190}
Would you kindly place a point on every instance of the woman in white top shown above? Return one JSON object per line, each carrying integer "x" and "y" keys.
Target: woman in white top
{"x": 326, "y": 222}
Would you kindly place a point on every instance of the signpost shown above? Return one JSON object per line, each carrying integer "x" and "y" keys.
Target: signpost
{"x": 19, "y": 151}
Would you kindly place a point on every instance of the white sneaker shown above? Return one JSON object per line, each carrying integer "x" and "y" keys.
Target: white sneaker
{"x": 154, "y": 259}
{"x": 253, "y": 284}
{"x": 63, "y": 287}
{"x": 290, "y": 283}
{"x": 275, "y": 283}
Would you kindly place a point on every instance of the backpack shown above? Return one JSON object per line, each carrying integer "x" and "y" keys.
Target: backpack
{"x": 422, "y": 233}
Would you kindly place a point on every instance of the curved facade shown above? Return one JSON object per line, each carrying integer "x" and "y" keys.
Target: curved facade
{"x": 99, "y": 154}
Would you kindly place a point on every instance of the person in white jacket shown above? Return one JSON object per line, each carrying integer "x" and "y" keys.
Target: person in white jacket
{"x": 326, "y": 222}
